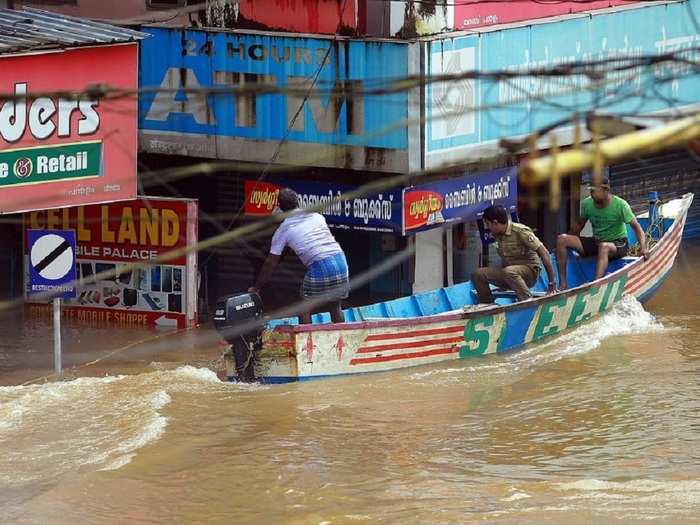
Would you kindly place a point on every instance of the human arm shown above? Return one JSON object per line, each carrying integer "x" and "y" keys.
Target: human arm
{"x": 547, "y": 262}
{"x": 268, "y": 266}
{"x": 277, "y": 245}
{"x": 641, "y": 238}
{"x": 629, "y": 218}
{"x": 577, "y": 226}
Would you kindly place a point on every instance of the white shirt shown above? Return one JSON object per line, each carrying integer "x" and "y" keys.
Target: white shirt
{"x": 308, "y": 235}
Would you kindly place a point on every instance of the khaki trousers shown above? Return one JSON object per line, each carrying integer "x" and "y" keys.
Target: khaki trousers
{"x": 517, "y": 277}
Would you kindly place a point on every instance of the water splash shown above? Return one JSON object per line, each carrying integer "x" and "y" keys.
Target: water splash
{"x": 625, "y": 318}
{"x": 666, "y": 492}
{"x": 50, "y": 429}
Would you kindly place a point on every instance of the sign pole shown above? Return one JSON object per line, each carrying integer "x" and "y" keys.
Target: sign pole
{"x": 52, "y": 269}
{"x": 57, "y": 334}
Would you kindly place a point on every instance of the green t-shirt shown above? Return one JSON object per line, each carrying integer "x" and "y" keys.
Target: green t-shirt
{"x": 608, "y": 223}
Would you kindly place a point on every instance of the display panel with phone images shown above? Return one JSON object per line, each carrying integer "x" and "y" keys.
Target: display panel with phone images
{"x": 157, "y": 288}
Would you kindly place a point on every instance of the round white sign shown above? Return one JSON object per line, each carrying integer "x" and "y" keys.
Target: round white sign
{"x": 52, "y": 256}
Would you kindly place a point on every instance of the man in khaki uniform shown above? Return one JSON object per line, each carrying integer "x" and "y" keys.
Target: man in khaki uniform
{"x": 520, "y": 251}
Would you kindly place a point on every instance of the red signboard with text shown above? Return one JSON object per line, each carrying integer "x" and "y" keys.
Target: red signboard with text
{"x": 109, "y": 236}
{"x": 469, "y": 14}
{"x": 422, "y": 208}
{"x": 260, "y": 197}
{"x": 60, "y": 145}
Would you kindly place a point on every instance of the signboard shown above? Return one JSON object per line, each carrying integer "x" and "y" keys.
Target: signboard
{"x": 380, "y": 212}
{"x": 51, "y": 263}
{"x": 458, "y": 200}
{"x": 161, "y": 293}
{"x": 475, "y": 13}
{"x": 332, "y": 129}
{"x": 62, "y": 150}
{"x": 474, "y": 114}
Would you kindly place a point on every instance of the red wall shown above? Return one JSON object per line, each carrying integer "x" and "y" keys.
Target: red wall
{"x": 476, "y": 13}
{"x": 304, "y": 16}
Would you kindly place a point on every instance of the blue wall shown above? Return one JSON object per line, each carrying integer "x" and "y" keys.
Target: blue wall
{"x": 209, "y": 56}
{"x": 647, "y": 30}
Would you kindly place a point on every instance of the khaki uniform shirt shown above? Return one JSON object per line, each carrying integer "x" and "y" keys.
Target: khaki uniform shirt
{"x": 518, "y": 245}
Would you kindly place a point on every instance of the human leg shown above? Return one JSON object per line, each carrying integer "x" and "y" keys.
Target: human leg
{"x": 519, "y": 278}
{"x": 565, "y": 241}
{"x": 605, "y": 250}
{"x": 480, "y": 280}
{"x": 337, "y": 315}
{"x": 327, "y": 281}
{"x": 304, "y": 314}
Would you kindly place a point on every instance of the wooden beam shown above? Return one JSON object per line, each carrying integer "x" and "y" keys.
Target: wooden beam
{"x": 647, "y": 141}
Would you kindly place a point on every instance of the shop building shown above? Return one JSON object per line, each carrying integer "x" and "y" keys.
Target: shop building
{"x": 447, "y": 129}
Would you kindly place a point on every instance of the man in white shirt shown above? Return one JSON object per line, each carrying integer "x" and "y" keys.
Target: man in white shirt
{"x": 308, "y": 235}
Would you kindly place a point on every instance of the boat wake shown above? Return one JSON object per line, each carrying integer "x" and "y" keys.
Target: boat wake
{"x": 625, "y": 318}
{"x": 51, "y": 429}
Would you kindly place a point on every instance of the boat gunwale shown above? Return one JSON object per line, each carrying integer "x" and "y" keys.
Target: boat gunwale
{"x": 442, "y": 317}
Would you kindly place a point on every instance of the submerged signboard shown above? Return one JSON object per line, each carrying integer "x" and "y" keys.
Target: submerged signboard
{"x": 59, "y": 145}
{"x": 316, "y": 122}
{"x": 109, "y": 236}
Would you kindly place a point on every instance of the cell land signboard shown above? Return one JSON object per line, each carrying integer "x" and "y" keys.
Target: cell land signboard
{"x": 59, "y": 145}
{"x": 239, "y": 118}
{"x": 378, "y": 212}
{"x": 471, "y": 115}
{"x": 110, "y": 236}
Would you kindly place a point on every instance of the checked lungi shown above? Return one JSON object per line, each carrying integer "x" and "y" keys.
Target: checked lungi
{"x": 327, "y": 277}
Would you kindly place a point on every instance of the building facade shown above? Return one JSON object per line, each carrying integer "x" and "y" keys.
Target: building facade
{"x": 314, "y": 95}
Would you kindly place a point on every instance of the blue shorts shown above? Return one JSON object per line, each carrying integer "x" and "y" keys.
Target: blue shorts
{"x": 327, "y": 277}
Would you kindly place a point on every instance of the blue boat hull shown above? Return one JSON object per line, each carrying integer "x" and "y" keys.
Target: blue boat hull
{"x": 444, "y": 324}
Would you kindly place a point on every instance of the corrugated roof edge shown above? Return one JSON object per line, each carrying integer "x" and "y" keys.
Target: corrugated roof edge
{"x": 33, "y": 29}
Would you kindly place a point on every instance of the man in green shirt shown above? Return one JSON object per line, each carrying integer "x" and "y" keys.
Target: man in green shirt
{"x": 608, "y": 214}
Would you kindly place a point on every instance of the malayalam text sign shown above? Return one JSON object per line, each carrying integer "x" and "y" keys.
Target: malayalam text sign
{"x": 380, "y": 212}
{"x": 459, "y": 199}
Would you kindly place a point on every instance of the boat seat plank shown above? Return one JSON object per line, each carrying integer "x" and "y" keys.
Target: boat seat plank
{"x": 504, "y": 293}
{"x": 433, "y": 302}
{"x": 417, "y": 305}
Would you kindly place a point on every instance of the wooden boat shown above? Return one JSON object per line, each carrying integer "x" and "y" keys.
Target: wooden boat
{"x": 444, "y": 324}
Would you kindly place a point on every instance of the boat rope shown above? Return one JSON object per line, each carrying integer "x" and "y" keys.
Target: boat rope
{"x": 653, "y": 232}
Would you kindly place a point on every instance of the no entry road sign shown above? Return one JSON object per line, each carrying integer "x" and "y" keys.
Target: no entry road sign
{"x": 52, "y": 263}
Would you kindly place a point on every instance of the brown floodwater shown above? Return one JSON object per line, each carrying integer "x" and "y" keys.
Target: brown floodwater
{"x": 599, "y": 425}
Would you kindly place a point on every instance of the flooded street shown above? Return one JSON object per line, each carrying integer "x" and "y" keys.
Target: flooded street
{"x": 600, "y": 425}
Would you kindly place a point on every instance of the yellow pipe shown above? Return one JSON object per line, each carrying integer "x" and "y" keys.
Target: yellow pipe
{"x": 679, "y": 132}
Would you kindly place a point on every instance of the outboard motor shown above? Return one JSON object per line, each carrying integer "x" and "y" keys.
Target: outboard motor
{"x": 238, "y": 319}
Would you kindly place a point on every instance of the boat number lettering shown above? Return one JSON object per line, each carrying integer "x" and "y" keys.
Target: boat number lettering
{"x": 476, "y": 336}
